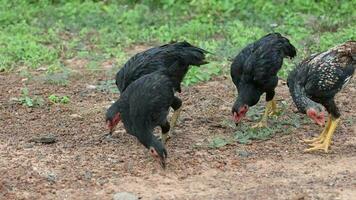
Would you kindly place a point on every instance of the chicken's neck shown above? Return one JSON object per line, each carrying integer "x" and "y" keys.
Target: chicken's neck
{"x": 300, "y": 98}
{"x": 176, "y": 73}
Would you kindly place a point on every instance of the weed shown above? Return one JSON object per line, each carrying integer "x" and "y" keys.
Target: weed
{"x": 218, "y": 142}
{"x": 65, "y": 100}
{"x": 107, "y": 86}
{"x": 202, "y": 73}
{"x": 29, "y": 101}
{"x": 53, "y": 98}
{"x": 57, "y": 99}
{"x": 281, "y": 124}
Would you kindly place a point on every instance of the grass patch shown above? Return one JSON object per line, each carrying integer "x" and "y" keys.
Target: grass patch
{"x": 42, "y": 33}
{"x": 28, "y": 100}
{"x": 282, "y": 124}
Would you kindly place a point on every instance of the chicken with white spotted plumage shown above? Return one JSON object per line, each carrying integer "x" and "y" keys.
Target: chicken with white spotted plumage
{"x": 314, "y": 83}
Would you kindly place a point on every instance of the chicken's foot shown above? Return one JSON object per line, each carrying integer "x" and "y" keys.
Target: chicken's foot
{"x": 320, "y": 139}
{"x": 328, "y": 137}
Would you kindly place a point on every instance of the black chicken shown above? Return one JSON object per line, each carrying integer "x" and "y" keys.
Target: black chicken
{"x": 316, "y": 81}
{"x": 145, "y": 104}
{"x": 254, "y": 72}
{"x": 155, "y": 59}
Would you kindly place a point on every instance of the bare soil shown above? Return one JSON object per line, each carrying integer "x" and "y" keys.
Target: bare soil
{"x": 83, "y": 165}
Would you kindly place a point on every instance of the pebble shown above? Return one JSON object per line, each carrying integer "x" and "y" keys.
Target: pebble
{"x": 28, "y": 146}
{"x": 88, "y": 175}
{"x": 91, "y": 87}
{"x": 125, "y": 196}
{"x": 45, "y": 139}
{"x": 51, "y": 177}
{"x": 244, "y": 153}
{"x": 76, "y": 116}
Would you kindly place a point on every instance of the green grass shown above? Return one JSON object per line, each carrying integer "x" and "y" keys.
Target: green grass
{"x": 283, "y": 123}
{"x": 55, "y": 99}
{"x": 28, "y": 100}
{"x": 46, "y": 33}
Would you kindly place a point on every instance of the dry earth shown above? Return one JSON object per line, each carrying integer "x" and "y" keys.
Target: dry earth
{"x": 81, "y": 165}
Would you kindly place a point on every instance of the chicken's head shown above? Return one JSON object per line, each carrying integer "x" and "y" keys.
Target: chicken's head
{"x": 112, "y": 122}
{"x": 316, "y": 113}
{"x": 239, "y": 113}
{"x": 158, "y": 152}
{"x": 113, "y": 116}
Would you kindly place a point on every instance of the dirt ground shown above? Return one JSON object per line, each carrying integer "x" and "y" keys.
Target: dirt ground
{"x": 81, "y": 165}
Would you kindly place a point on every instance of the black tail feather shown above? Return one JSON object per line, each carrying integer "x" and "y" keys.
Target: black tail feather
{"x": 288, "y": 49}
{"x": 187, "y": 54}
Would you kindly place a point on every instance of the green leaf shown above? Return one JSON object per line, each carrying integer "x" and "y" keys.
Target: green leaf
{"x": 65, "y": 100}
{"x": 28, "y": 101}
{"x": 218, "y": 142}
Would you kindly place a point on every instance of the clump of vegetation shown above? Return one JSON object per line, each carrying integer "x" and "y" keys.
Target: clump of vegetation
{"x": 199, "y": 74}
{"x": 218, "y": 142}
{"x": 283, "y": 123}
{"x": 30, "y": 101}
{"x": 107, "y": 87}
{"x": 58, "y": 99}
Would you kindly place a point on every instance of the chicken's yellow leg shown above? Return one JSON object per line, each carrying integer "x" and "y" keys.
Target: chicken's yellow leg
{"x": 164, "y": 137}
{"x": 321, "y": 137}
{"x": 328, "y": 137}
{"x": 172, "y": 123}
{"x": 274, "y": 109}
{"x": 175, "y": 117}
{"x": 263, "y": 122}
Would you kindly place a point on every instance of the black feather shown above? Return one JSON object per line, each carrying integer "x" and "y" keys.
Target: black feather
{"x": 317, "y": 79}
{"x": 254, "y": 70}
{"x": 158, "y": 58}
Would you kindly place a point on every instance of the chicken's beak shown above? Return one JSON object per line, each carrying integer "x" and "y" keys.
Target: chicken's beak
{"x": 110, "y": 127}
{"x": 163, "y": 163}
{"x": 236, "y": 118}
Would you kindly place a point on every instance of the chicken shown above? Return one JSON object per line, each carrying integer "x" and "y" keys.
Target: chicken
{"x": 154, "y": 59}
{"x": 314, "y": 83}
{"x": 145, "y": 104}
{"x": 254, "y": 72}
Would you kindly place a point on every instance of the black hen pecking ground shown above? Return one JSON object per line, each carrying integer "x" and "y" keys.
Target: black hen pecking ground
{"x": 254, "y": 72}
{"x": 316, "y": 80}
{"x": 145, "y": 104}
{"x": 154, "y": 59}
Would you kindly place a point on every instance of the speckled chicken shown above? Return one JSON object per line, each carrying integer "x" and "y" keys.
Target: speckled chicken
{"x": 254, "y": 72}
{"x": 314, "y": 83}
{"x": 155, "y": 59}
{"x": 145, "y": 104}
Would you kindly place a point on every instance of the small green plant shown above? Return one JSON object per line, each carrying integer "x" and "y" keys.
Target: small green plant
{"x": 218, "y": 142}
{"x": 108, "y": 86}
{"x": 283, "y": 124}
{"x": 202, "y": 73}
{"x": 29, "y": 101}
{"x": 53, "y": 98}
{"x": 56, "y": 99}
{"x": 65, "y": 100}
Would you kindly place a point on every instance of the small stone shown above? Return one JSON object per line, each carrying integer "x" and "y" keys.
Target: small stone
{"x": 102, "y": 180}
{"x": 41, "y": 69}
{"x": 76, "y": 116}
{"x": 51, "y": 177}
{"x": 45, "y": 139}
{"x": 28, "y": 146}
{"x": 88, "y": 175}
{"x": 125, "y": 196}
{"x": 14, "y": 99}
{"x": 244, "y": 153}
{"x": 91, "y": 87}
{"x": 273, "y": 25}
